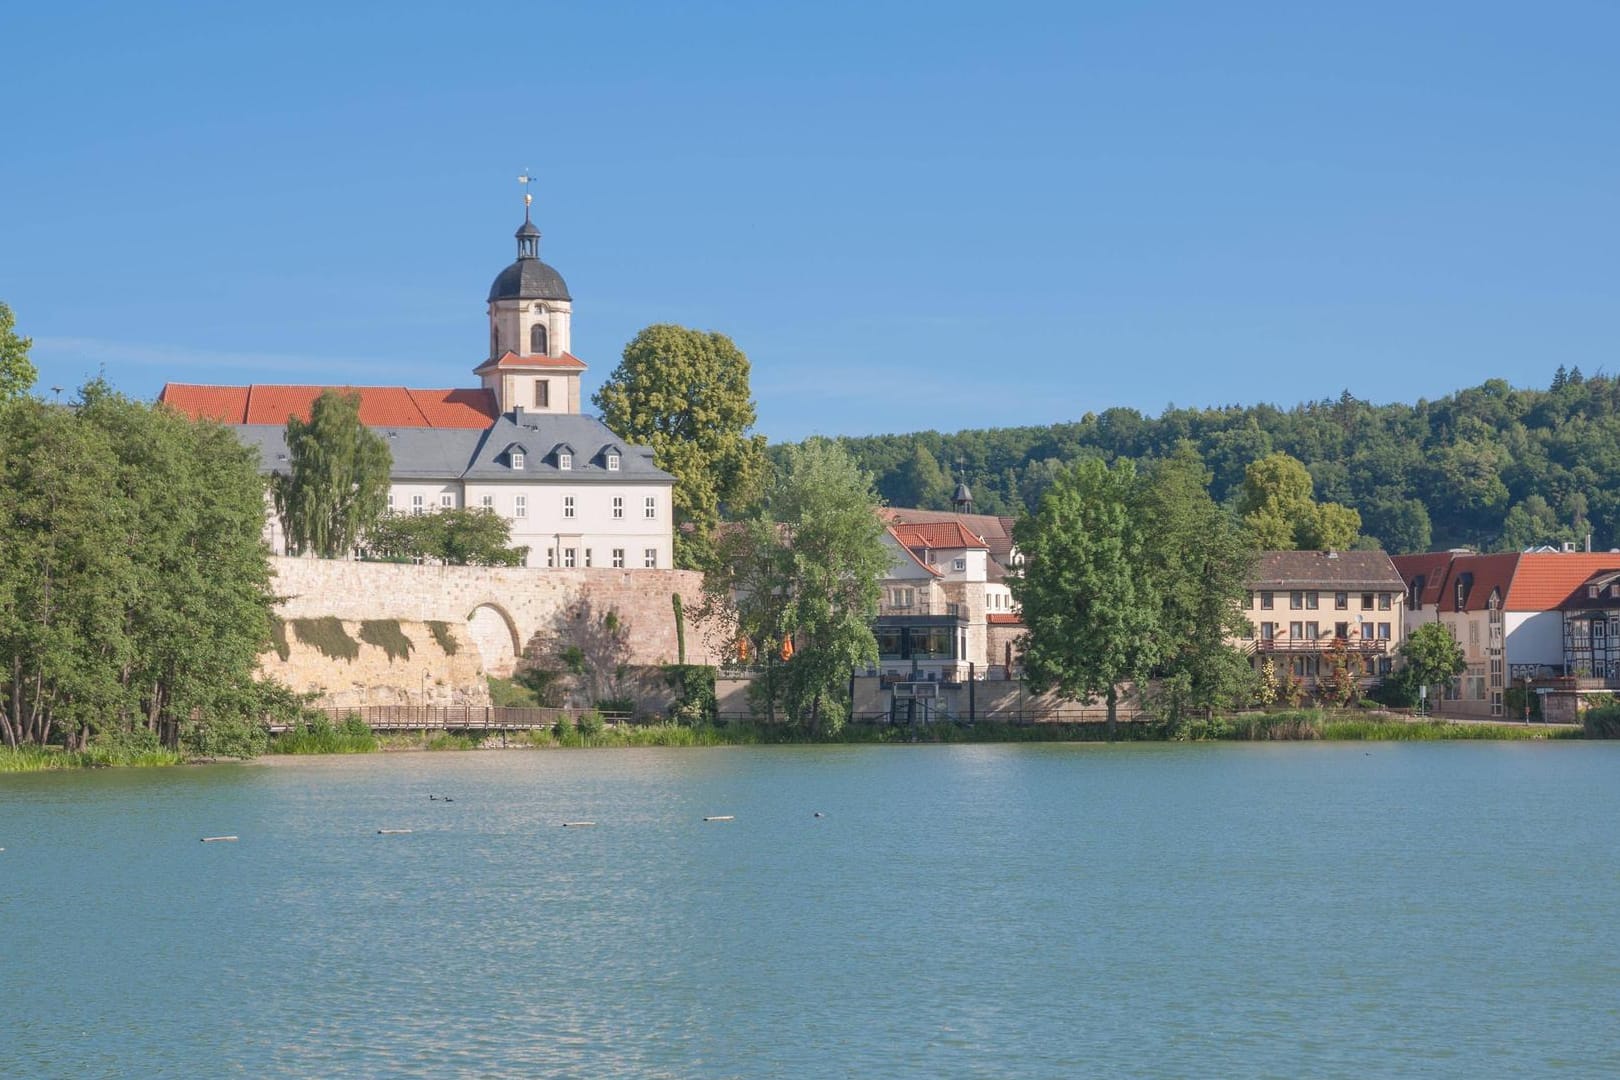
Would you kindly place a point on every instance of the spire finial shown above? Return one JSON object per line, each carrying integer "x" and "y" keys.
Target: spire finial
{"x": 526, "y": 179}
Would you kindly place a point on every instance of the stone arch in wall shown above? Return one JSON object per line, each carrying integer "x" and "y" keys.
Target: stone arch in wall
{"x": 496, "y": 637}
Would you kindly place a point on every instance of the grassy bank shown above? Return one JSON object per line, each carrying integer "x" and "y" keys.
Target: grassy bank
{"x": 1318, "y": 724}
{"x": 48, "y": 758}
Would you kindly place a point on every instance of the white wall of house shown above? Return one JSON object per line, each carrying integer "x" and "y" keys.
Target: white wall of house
{"x": 1534, "y": 637}
{"x": 545, "y": 527}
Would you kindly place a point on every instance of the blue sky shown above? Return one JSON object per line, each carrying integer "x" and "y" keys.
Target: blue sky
{"x": 908, "y": 215}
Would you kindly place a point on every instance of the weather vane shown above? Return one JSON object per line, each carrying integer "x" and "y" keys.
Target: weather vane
{"x": 526, "y": 179}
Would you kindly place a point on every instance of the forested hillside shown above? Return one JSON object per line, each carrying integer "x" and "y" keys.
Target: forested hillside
{"x": 1492, "y": 466}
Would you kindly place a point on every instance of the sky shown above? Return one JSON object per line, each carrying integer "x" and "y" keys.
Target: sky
{"x": 909, "y": 216}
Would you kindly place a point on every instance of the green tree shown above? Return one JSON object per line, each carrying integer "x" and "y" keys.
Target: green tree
{"x": 1093, "y": 617}
{"x": 1432, "y": 656}
{"x": 806, "y": 569}
{"x": 134, "y": 588}
{"x": 685, "y": 394}
{"x": 336, "y": 484}
{"x": 923, "y": 483}
{"x": 1277, "y": 506}
{"x": 454, "y": 537}
{"x": 17, "y": 372}
{"x": 1197, "y": 562}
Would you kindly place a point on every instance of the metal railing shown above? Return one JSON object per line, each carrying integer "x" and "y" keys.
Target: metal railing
{"x": 456, "y": 717}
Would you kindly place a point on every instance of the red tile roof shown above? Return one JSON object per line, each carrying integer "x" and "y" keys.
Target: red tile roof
{"x": 936, "y": 571}
{"x": 380, "y": 406}
{"x": 1546, "y": 579}
{"x": 1527, "y": 581}
{"x": 508, "y": 361}
{"x": 940, "y": 535}
{"x": 1000, "y": 618}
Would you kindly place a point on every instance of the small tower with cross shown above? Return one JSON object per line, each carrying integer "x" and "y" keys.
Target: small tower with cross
{"x": 962, "y": 498}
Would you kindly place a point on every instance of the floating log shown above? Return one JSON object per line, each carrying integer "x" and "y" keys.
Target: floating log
{"x": 391, "y": 832}
{"x": 577, "y": 824}
{"x": 720, "y": 817}
{"x": 216, "y": 839}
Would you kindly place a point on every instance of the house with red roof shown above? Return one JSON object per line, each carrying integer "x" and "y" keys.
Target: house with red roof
{"x": 947, "y": 612}
{"x": 1519, "y": 617}
{"x": 575, "y": 493}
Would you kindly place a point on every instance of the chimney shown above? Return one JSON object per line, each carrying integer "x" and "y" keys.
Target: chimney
{"x": 1589, "y": 543}
{"x": 517, "y": 414}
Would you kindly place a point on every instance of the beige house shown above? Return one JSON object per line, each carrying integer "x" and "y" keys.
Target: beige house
{"x": 1306, "y": 606}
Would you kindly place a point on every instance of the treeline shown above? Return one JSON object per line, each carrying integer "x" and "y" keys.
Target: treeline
{"x": 1492, "y": 466}
{"x": 134, "y": 586}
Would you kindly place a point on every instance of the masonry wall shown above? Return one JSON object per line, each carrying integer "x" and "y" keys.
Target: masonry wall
{"x": 496, "y": 611}
{"x": 427, "y": 675}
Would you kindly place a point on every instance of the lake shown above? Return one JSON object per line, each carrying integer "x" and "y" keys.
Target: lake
{"x": 1141, "y": 910}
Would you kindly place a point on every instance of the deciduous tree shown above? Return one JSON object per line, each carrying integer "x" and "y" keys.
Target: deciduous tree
{"x": 1432, "y": 656}
{"x": 1092, "y": 615}
{"x": 685, "y": 394}
{"x": 17, "y": 372}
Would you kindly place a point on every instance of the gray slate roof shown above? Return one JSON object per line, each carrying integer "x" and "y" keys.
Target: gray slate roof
{"x": 474, "y": 454}
{"x": 1308, "y": 569}
{"x": 529, "y": 279}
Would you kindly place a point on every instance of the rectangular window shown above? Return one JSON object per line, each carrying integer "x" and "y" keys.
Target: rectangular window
{"x": 1383, "y": 601}
{"x": 618, "y": 558}
{"x": 618, "y": 506}
{"x": 487, "y": 502}
{"x": 1366, "y": 601}
{"x": 1267, "y": 599}
{"x": 568, "y": 558}
{"x": 1296, "y": 630}
{"x": 651, "y": 510}
{"x": 1341, "y": 630}
{"x": 390, "y": 502}
{"x": 1311, "y": 631}
{"x": 959, "y": 564}
{"x": 520, "y": 506}
{"x": 447, "y": 500}
{"x": 613, "y": 462}
{"x": 516, "y": 459}
{"x": 568, "y": 506}
{"x": 551, "y": 557}
{"x": 542, "y": 394}
{"x": 953, "y": 609}
{"x": 1296, "y": 600}
{"x": 649, "y": 558}
{"x": 565, "y": 460}
{"x": 587, "y": 558}
{"x": 1383, "y": 631}
{"x": 1313, "y": 600}
{"x": 416, "y": 504}
{"x": 1341, "y": 601}
{"x": 1268, "y": 631}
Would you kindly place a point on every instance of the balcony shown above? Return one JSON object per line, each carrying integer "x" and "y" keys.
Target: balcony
{"x": 1296, "y": 646}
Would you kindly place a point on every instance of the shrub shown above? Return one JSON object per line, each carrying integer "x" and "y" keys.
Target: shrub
{"x": 591, "y": 723}
{"x": 444, "y": 636}
{"x": 1602, "y": 722}
{"x": 563, "y": 729}
{"x": 625, "y": 706}
{"x": 387, "y": 636}
{"x": 327, "y": 636}
{"x": 694, "y": 693}
{"x": 507, "y": 694}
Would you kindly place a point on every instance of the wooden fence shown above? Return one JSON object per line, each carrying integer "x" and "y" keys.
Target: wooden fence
{"x": 456, "y": 717}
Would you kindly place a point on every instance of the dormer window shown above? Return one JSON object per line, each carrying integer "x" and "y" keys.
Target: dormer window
{"x": 565, "y": 460}
{"x": 515, "y": 458}
{"x": 612, "y": 461}
{"x": 1592, "y": 591}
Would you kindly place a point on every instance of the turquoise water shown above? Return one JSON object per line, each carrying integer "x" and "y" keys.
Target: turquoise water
{"x": 968, "y": 911}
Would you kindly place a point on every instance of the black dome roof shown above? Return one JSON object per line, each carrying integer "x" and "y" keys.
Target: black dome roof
{"x": 529, "y": 279}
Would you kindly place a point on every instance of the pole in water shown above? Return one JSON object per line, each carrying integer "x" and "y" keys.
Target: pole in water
{"x": 216, "y": 839}
{"x": 720, "y": 817}
{"x": 392, "y": 832}
{"x": 577, "y": 824}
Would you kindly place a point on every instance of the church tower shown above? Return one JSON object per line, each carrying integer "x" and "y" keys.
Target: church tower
{"x": 529, "y": 365}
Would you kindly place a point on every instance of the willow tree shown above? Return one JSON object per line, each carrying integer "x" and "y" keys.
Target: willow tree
{"x": 336, "y": 483}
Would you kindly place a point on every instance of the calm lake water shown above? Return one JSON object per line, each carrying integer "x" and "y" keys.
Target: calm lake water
{"x": 982, "y": 911}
